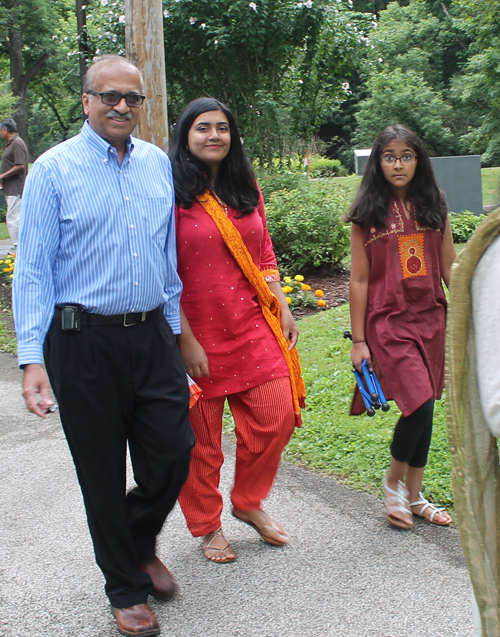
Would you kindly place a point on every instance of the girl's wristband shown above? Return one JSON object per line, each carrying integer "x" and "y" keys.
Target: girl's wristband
{"x": 355, "y": 342}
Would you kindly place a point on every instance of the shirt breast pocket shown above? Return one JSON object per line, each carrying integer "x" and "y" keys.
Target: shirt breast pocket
{"x": 157, "y": 212}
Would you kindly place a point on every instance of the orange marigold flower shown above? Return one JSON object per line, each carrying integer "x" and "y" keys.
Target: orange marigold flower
{"x": 287, "y": 289}
{"x": 305, "y": 287}
{"x": 319, "y": 293}
{"x": 298, "y": 277}
{"x": 321, "y": 303}
{"x": 288, "y": 299}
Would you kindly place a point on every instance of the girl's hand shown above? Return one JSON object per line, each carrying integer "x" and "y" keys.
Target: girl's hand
{"x": 289, "y": 327}
{"x": 359, "y": 353}
{"x": 194, "y": 356}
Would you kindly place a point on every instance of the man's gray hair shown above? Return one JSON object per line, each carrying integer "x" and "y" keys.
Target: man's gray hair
{"x": 88, "y": 80}
{"x": 9, "y": 124}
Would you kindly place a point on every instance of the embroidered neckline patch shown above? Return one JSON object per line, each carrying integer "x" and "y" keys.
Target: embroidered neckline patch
{"x": 412, "y": 255}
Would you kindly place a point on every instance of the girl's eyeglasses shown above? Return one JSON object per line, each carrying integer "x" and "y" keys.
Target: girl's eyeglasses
{"x": 405, "y": 159}
{"x": 112, "y": 98}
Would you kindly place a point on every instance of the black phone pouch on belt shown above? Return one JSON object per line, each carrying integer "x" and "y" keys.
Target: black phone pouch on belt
{"x": 71, "y": 318}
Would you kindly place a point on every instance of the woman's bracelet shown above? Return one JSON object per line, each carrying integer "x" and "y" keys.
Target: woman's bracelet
{"x": 354, "y": 342}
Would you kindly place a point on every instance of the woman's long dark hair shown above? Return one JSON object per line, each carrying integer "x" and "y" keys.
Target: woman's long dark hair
{"x": 235, "y": 181}
{"x": 372, "y": 201}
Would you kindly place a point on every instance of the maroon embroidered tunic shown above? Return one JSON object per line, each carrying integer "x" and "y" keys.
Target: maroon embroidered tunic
{"x": 406, "y": 313}
{"x": 221, "y": 305}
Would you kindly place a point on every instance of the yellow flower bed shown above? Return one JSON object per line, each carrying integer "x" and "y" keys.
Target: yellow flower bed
{"x": 299, "y": 294}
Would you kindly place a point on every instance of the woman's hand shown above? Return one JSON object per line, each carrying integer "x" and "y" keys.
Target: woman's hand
{"x": 193, "y": 355}
{"x": 289, "y": 327}
{"x": 359, "y": 353}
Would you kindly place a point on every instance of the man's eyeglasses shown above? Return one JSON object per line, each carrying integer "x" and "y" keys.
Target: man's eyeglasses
{"x": 405, "y": 159}
{"x": 112, "y": 98}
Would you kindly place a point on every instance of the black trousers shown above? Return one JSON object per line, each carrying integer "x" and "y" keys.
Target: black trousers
{"x": 115, "y": 385}
{"x": 412, "y": 436}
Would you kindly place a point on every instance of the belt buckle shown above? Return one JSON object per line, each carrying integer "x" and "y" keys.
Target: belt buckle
{"x": 125, "y": 324}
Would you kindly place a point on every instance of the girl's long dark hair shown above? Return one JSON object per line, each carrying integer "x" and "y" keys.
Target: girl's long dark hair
{"x": 235, "y": 181}
{"x": 372, "y": 201}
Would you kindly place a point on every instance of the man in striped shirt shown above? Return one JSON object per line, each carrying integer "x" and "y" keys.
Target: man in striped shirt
{"x": 96, "y": 295}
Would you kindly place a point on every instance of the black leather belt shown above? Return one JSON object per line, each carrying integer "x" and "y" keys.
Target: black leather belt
{"x": 127, "y": 320}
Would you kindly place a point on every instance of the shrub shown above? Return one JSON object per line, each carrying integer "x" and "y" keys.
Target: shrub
{"x": 463, "y": 225}
{"x": 324, "y": 167}
{"x": 306, "y": 226}
{"x": 3, "y": 212}
{"x": 285, "y": 181}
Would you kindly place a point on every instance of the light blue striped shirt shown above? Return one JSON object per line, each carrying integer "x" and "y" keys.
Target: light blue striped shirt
{"x": 95, "y": 233}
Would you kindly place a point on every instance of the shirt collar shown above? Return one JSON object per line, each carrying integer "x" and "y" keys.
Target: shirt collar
{"x": 100, "y": 145}
{"x": 11, "y": 139}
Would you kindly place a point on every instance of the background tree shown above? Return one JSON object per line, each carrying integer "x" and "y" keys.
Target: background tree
{"x": 279, "y": 65}
{"x": 414, "y": 57}
{"x": 25, "y": 35}
{"x": 477, "y": 89}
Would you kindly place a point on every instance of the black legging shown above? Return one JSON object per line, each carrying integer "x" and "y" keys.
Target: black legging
{"x": 412, "y": 436}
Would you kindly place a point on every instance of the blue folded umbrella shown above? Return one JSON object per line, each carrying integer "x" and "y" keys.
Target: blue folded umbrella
{"x": 369, "y": 387}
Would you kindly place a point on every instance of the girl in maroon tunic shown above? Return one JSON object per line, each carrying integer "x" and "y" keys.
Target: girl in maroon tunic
{"x": 226, "y": 343}
{"x": 402, "y": 248}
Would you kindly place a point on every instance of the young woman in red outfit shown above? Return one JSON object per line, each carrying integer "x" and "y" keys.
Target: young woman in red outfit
{"x": 402, "y": 250}
{"x": 238, "y": 333}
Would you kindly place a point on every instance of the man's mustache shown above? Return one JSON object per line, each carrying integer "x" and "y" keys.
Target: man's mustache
{"x": 127, "y": 115}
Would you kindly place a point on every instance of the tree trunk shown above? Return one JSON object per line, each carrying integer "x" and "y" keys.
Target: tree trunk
{"x": 145, "y": 47}
{"x": 21, "y": 80}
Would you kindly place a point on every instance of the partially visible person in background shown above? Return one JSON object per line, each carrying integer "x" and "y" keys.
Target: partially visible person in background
{"x": 402, "y": 251}
{"x": 12, "y": 175}
{"x": 473, "y": 405}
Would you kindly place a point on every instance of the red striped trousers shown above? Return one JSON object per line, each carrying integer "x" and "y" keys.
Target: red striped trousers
{"x": 264, "y": 422}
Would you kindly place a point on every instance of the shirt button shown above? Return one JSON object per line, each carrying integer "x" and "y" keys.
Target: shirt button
{"x": 121, "y": 172}
{"x": 127, "y": 199}
{"x": 132, "y": 227}
{"x": 133, "y": 309}
{"x": 136, "y": 283}
{"x": 135, "y": 254}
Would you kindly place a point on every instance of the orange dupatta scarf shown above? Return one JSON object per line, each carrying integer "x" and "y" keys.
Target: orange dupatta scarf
{"x": 268, "y": 302}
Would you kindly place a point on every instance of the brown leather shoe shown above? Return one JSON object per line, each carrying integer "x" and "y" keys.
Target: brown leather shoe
{"x": 164, "y": 586}
{"x": 136, "y": 621}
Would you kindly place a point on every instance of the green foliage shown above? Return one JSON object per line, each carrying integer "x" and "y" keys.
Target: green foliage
{"x": 281, "y": 181}
{"x": 8, "y": 342}
{"x": 7, "y": 100}
{"x": 463, "y": 225}
{"x": 477, "y": 88}
{"x": 306, "y": 227}
{"x": 415, "y": 55}
{"x": 324, "y": 167}
{"x": 278, "y": 64}
{"x": 353, "y": 448}
{"x": 3, "y": 214}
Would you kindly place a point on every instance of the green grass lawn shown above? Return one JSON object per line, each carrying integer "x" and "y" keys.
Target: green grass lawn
{"x": 3, "y": 231}
{"x": 491, "y": 185}
{"x": 352, "y": 448}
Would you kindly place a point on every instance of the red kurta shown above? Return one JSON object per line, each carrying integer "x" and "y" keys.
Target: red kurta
{"x": 406, "y": 313}
{"x": 221, "y": 305}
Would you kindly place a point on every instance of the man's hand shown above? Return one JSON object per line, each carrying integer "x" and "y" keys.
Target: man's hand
{"x": 36, "y": 382}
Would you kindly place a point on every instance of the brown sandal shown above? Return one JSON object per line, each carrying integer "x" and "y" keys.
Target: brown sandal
{"x": 225, "y": 551}
{"x": 270, "y": 531}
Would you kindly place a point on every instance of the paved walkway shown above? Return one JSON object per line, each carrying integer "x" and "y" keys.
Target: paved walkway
{"x": 346, "y": 573}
